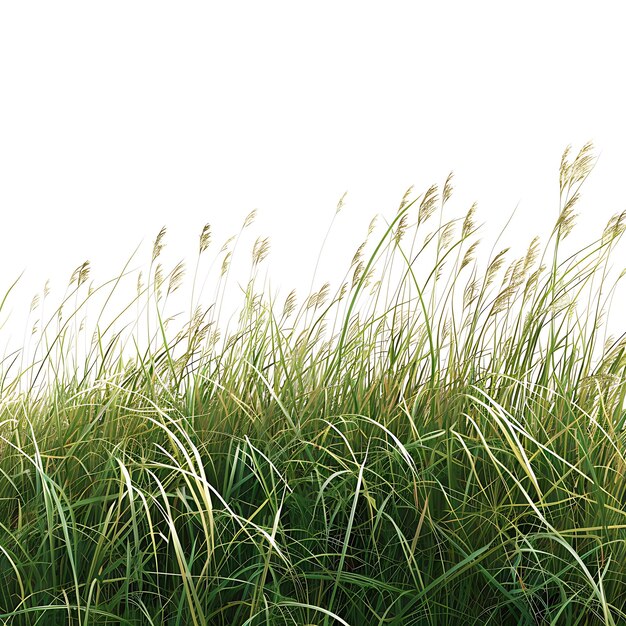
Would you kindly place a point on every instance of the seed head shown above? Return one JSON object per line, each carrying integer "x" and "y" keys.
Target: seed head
{"x": 176, "y": 277}
{"x": 260, "y": 250}
{"x": 158, "y": 277}
{"x": 290, "y": 304}
{"x": 205, "y": 238}
{"x": 226, "y": 263}
{"x": 158, "y": 244}
{"x": 401, "y": 229}
{"x": 370, "y": 228}
{"x": 405, "y": 198}
{"x": 495, "y": 265}
{"x": 468, "y": 222}
{"x": 428, "y": 204}
{"x": 249, "y": 218}
{"x": 447, "y": 188}
{"x": 80, "y": 274}
{"x": 340, "y": 203}
{"x": 469, "y": 255}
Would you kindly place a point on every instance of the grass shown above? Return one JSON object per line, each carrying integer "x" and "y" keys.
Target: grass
{"x": 437, "y": 442}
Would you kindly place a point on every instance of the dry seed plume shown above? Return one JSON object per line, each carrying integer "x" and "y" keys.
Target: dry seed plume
{"x": 322, "y": 294}
{"x": 576, "y": 171}
{"x": 290, "y": 304}
{"x": 80, "y": 274}
{"x": 401, "y": 229}
{"x": 340, "y": 203}
{"x": 468, "y": 222}
{"x": 447, "y": 188}
{"x": 226, "y": 263}
{"x": 158, "y": 244}
{"x": 494, "y": 266}
{"x": 469, "y": 256}
{"x": 405, "y": 198}
{"x": 447, "y": 234}
{"x": 205, "y": 238}
{"x": 532, "y": 254}
{"x": 567, "y": 218}
{"x": 428, "y": 204}
{"x": 176, "y": 277}
{"x": 249, "y": 218}
{"x": 356, "y": 276}
{"x": 227, "y": 243}
{"x": 342, "y": 292}
{"x": 358, "y": 255}
{"x": 615, "y": 227}
{"x": 158, "y": 277}
{"x": 370, "y": 228}
{"x": 260, "y": 250}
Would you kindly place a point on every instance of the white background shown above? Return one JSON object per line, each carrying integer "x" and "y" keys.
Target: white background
{"x": 117, "y": 118}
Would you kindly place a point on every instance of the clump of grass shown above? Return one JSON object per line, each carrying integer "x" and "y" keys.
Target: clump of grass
{"x": 432, "y": 442}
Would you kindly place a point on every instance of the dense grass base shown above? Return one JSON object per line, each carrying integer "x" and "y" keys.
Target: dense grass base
{"x": 412, "y": 451}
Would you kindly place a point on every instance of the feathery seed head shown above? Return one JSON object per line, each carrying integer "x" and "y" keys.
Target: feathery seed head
{"x": 249, "y": 218}
{"x": 571, "y": 174}
{"x": 533, "y": 279}
{"x": 176, "y": 277}
{"x": 614, "y": 228}
{"x": 468, "y": 222}
{"x": 226, "y": 263}
{"x": 205, "y": 238}
{"x": 564, "y": 168}
{"x": 531, "y": 254}
{"x": 470, "y": 293}
{"x": 340, "y": 203}
{"x": 290, "y": 304}
{"x": 428, "y": 204}
{"x": 80, "y": 274}
{"x": 447, "y": 189}
{"x": 446, "y": 236}
{"x": 214, "y": 337}
{"x": 405, "y": 198}
{"x": 494, "y": 266}
{"x": 400, "y": 229}
{"x": 567, "y": 218}
{"x": 369, "y": 277}
{"x": 342, "y": 291}
{"x": 372, "y": 225}
{"x": 322, "y": 294}
{"x": 227, "y": 243}
{"x": 158, "y": 277}
{"x": 358, "y": 271}
{"x": 358, "y": 254}
{"x": 158, "y": 244}
{"x": 375, "y": 287}
{"x": 468, "y": 257}
{"x": 260, "y": 250}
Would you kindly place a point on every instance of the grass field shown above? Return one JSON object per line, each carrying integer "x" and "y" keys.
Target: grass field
{"x": 438, "y": 441}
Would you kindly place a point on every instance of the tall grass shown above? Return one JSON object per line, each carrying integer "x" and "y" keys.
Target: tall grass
{"x": 439, "y": 441}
